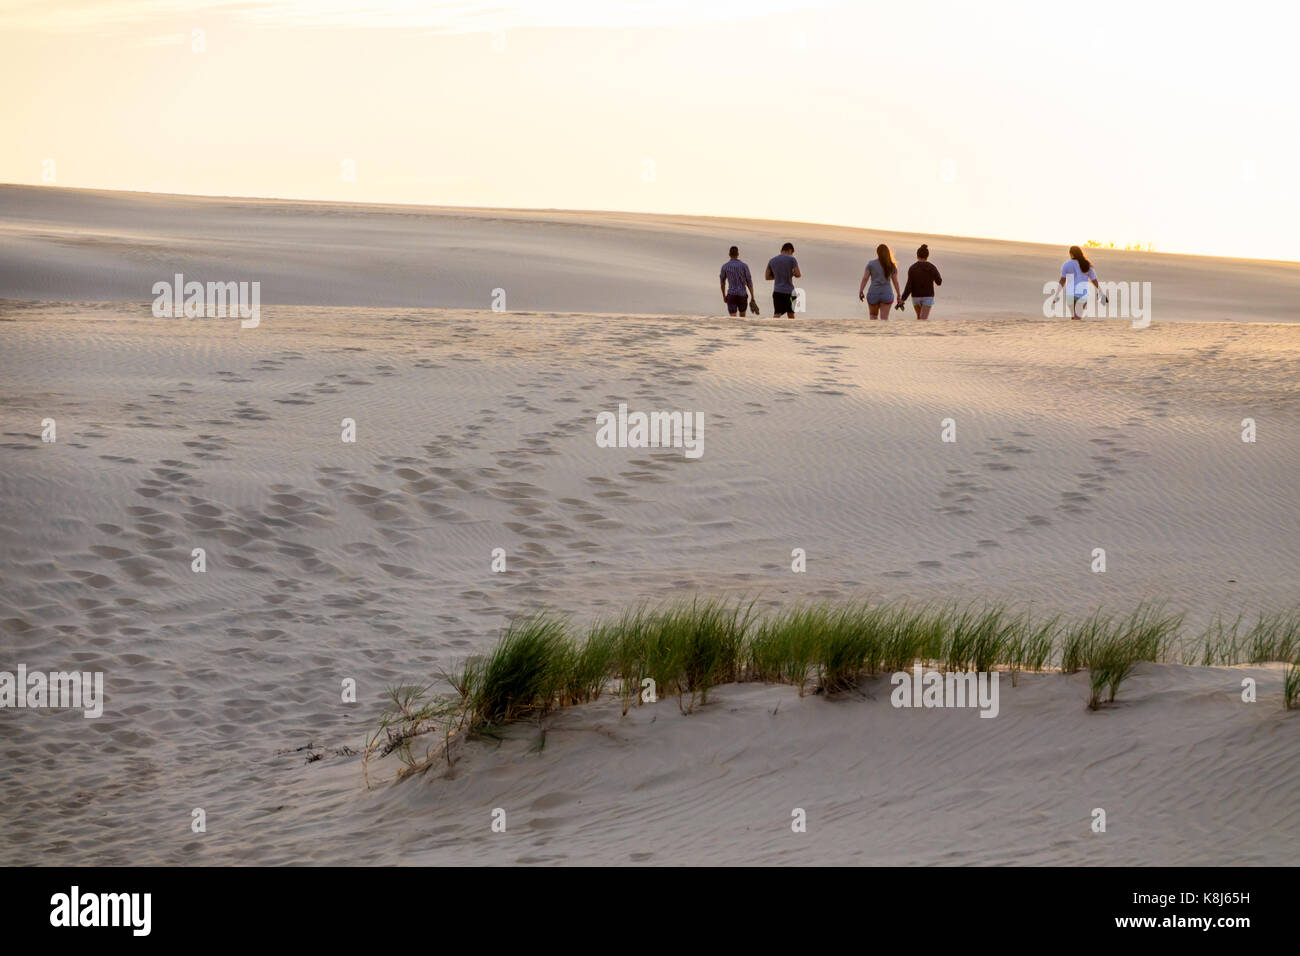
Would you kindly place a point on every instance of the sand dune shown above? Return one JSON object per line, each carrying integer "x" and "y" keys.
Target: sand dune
{"x": 371, "y": 561}
{"x": 475, "y": 430}
{"x": 88, "y": 245}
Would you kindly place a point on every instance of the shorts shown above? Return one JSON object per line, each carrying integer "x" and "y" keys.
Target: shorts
{"x": 920, "y": 300}
{"x": 737, "y": 303}
{"x": 876, "y": 298}
{"x": 782, "y": 302}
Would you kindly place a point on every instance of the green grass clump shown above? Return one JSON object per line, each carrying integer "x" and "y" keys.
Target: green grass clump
{"x": 978, "y": 640}
{"x": 1149, "y": 633}
{"x": 911, "y": 635}
{"x": 687, "y": 648}
{"x": 524, "y": 674}
{"x": 1272, "y": 637}
{"x": 1291, "y": 686}
{"x": 586, "y": 668}
{"x": 784, "y": 649}
{"x": 1221, "y": 643}
{"x": 1030, "y": 644}
{"x": 1083, "y": 640}
{"x": 848, "y": 647}
{"x": 684, "y": 648}
{"x": 1108, "y": 666}
{"x": 1110, "y": 648}
{"x": 712, "y": 636}
{"x": 836, "y": 647}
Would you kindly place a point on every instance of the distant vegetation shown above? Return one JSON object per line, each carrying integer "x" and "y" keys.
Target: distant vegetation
{"x": 684, "y": 650}
{"x": 1131, "y": 247}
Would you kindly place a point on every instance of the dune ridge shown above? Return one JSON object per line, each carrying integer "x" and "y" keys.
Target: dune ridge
{"x": 60, "y": 244}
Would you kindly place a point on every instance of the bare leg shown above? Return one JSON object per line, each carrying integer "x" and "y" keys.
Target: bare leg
{"x": 923, "y": 312}
{"x": 873, "y": 309}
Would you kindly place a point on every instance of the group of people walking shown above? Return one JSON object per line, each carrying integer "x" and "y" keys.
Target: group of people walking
{"x": 879, "y": 285}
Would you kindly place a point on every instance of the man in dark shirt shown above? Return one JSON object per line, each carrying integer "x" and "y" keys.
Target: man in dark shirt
{"x": 783, "y": 270}
{"x": 922, "y": 277}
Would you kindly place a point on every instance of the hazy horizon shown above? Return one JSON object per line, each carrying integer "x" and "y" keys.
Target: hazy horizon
{"x": 1019, "y": 124}
{"x": 237, "y": 197}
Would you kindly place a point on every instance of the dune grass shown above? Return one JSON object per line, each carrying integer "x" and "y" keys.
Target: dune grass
{"x": 784, "y": 649}
{"x": 525, "y": 674}
{"x": 1291, "y": 686}
{"x": 1272, "y": 637}
{"x": 1109, "y": 647}
{"x": 684, "y": 649}
{"x": 1033, "y": 643}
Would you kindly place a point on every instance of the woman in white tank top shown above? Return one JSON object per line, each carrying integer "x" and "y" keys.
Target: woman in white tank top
{"x": 1076, "y": 273}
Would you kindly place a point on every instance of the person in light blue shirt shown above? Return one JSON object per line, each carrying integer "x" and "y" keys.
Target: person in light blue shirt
{"x": 1076, "y": 273}
{"x": 880, "y": 272}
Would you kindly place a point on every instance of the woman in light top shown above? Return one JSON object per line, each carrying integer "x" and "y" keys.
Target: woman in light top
{"x": 880, "y": 272}
{"x": 1076, "y": 273}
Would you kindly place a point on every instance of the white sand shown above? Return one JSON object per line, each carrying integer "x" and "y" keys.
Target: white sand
{"x": 476, "y": 431}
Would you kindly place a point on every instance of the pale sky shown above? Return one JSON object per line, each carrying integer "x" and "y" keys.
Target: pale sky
{"x": 1126, "y": 122}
